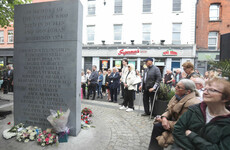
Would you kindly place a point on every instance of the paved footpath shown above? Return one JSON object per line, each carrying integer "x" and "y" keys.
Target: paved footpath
{"x": 115, "y": 130}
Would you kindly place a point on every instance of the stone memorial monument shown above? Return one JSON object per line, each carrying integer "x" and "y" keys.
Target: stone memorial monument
{"x": 47, "y": 62}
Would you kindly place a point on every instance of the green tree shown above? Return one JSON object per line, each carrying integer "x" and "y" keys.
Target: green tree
{"x": 224, "y": 65}
{"x": 7, "y": 10}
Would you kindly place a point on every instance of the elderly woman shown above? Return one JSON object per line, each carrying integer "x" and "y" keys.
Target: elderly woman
{"x": 189, "y": 70}
{"x": 206, "y": 126}
{"x": 129, "y": 89}
{"x": 185, "y": 96}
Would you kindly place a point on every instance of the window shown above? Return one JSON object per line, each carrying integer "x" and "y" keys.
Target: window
{"x": 176, "y": 31}
{"x": 146, "y": 33}
{"x": 118, "y": 6}
{"x": 90, "y": 34}
{"x": 117, "y": 33}
{"x": 91, "y": 7}
{"x": 10, "y": 36}
{"x": 212, "y": 40}
{"x": 214, "y": 12}
{"x": 1, "y": 36}
{"x": 176, "y": 5}
{"x": 146, "y": 5}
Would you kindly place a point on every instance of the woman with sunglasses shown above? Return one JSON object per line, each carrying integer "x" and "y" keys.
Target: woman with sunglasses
{"x": 206, "y": 126}
{"x": 185, "y": 96}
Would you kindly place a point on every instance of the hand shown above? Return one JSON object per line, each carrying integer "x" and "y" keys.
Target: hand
{"x": 151, "y": 89}
{"x": 158, "y": 119}
{"x": 140, "y": 87}
{"x": 165, "y": 123}
{"x": 126, "y": 85}
{"x": 187, "y": 132}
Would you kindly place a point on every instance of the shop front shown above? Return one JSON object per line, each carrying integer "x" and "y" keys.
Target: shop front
{"x": 165, "y": 57}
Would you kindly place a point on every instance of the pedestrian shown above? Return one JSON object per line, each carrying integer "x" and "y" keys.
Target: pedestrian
{"x": 10, "y": 74}
{"x": 185, "y": 96}
{"x": 5, "y": 84}
{"x": 83, "y": 83}
{"x": 100, "y": 79}
{"x": 178, "y": 76}
{"x": 107, "y": 84}
{"x": 129, "y": 88}
{"x": 206, "y": 126}
{"x": 189, "y": 70}
{"x": 168, "y": 78}
{"x": 88, "y": 73}
{"x": 124, "y": 72}
{"x": 200, "y": 84}
{"x": 93, "y": 81}
{"x": 103, "y": 83}
{"x": 138, "y": 75}
{"x": 151, "y": 80}
{"x": 206, "y": 76}
{"x": 114, "y": 83}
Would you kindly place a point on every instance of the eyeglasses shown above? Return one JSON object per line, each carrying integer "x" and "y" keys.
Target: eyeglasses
{"x": 179, "y": 87}
{"x": 211, "y": 91}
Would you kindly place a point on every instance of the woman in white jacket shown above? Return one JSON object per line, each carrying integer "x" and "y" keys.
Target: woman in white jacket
{"x": 129, "y": 88}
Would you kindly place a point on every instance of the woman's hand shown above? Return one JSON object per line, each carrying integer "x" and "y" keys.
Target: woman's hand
{"x": 165, "y": 124}
{"x": 187, "y": 132}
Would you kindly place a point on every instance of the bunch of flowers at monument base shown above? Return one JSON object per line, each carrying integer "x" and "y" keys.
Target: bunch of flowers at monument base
{"x": 86, "y": 120}
{"x": 58, "y": 119}
{"x": 46, "y": 137}
{"x": 31, "y": 133}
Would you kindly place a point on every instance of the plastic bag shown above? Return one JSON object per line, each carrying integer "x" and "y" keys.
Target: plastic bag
{"x": 59, "y": 121}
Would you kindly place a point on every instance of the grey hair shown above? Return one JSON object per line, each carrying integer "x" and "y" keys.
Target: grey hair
{"x": 201, "y": 81}
{"x": 188, "y": 84}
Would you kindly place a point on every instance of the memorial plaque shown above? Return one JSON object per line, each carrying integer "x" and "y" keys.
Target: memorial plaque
{"x": 47, "y": 62}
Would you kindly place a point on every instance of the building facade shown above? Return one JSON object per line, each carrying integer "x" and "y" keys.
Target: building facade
{"x": 164, "y": 30}
{"x": 213, "y": 20}
{"x": 114, "y": 29}
{"x": 6, "y": 45}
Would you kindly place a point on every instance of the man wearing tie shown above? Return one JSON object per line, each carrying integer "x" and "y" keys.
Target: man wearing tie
{"x": 114, "y": 77}
{"x": 151, "y": 80}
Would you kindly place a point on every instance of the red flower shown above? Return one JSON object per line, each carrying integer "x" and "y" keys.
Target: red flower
{"x": 44, "y": 132}
{"x": 9, "y": 123}
{"x": 49, "y": 135}
{"x": 39, "y": 140}
{"x": 47, "y": 140}
{"x": 86, "y": 122}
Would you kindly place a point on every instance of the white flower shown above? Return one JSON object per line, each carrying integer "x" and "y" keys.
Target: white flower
{"x": 7, "y": 135}
{"x": 43, "y": 144}
{"x": 19, "y": 140}
{"x": 31, "y": 138}
{"x": 26, "y": 140}
{"x": 30, "y": 131}
{"x": 50, "y": 141}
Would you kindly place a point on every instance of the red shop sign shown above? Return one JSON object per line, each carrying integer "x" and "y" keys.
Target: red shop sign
{"x": 129, "y": 52}
{"x": 169, "y": 53}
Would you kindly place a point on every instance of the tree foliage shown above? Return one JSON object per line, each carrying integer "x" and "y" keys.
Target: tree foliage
{"x": 224, "y": 65}
{"x": 7, "y": 10}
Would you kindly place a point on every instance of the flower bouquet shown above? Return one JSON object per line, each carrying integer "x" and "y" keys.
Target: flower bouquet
{"x": 9, "y": 133}
{"x": 46, "y": 138}
{"x": 87, "y": 111}
{"x": 58, "y": 120}
{"x": 27, "y": 134}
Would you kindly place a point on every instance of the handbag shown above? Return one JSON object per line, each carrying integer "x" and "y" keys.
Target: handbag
{"x": 137, "y": 80}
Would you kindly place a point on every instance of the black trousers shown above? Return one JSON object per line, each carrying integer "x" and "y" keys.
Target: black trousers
{"x": 92, "y": 88}
{"x": 113, "y": 93}
{"x": 122, "y": 89}
{"x": 146, "y": 96}
{"x": 128, "y": 99}
{"x": 83, "y": 88}
{"x": 103, "y": 88}
{"x": 157, "y": 131}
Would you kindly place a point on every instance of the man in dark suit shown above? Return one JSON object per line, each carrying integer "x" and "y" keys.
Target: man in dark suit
{"x": 151, "y": 80}
{"x": 114, "y": 83}
{"x": 92, "y": 83}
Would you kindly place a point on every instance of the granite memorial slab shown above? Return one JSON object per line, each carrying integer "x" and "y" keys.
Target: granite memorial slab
{"x": 47, "y": 62}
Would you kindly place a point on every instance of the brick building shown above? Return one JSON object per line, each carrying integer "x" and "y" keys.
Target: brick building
{"x": 6, "y": 45}
{"x": 213, "y": 20}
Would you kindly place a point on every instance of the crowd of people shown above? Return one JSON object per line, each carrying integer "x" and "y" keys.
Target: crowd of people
{"x": 7, "y": 84}
{"x": 197, "y": 116}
